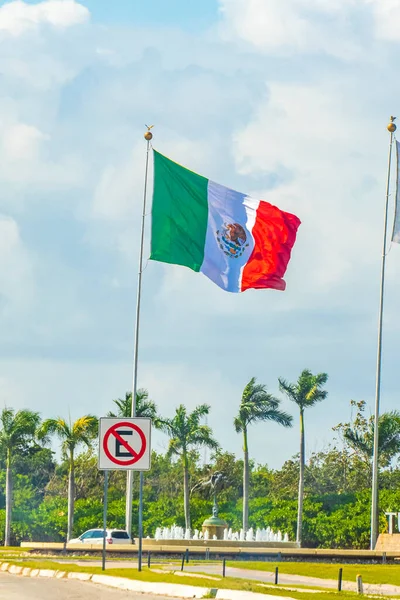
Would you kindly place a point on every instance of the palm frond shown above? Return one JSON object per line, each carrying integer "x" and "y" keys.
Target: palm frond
{"x": 307, "y": 391}
{"x": 86, "y": 425}
{"x": 358, "y": 441}
{"x": 17, "y": 428}
{"x": 144, "y": 406}
{"x": 58, "y": 427}
{"x": 259, "y": 405}
{"x": 287, "y": 388}
{"x": 186, "y": 431}
{"x": 82, "y": 431}
{"x": 238, "y": 424}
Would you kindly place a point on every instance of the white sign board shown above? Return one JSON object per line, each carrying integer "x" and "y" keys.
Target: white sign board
{"x": 124, "y": 444}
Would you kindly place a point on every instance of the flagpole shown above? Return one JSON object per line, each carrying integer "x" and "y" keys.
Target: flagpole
{"x": 129, "y": 491}
{"x": 374, "y": 501}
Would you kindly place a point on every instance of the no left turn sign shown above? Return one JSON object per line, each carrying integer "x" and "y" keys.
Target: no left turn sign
{"x": 124, "y": 444}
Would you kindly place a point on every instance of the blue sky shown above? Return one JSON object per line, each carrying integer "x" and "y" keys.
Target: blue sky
{"x": 176, "y": 12}
{"x": 157, "y": 12}
{"x": 284, "y": 100}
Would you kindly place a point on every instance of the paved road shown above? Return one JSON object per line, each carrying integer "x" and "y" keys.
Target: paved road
{"x": 15, "y": 587}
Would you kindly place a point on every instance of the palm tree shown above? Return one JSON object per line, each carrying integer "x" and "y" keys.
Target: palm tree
{"x": 256, "y": 405}
{"x": 306, "y": 392}
{"x": 17, "y": 429}
{"x": 144, "y": 408}
{"x": 360, "y": 436}
{"x": 186, "y": 432}
{"x": 71, "y": 435}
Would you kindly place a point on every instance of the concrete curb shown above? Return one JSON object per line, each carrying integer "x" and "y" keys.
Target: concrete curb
{"x": 49, "y": 573}
{"x": 148, "y": 587}
{"x": 34, "y": 573}
{"x": 61, "y": 574}
{"x": 144, "y": 587}
{"x": 15, "y": 570}
{"x": 79, "y": 576}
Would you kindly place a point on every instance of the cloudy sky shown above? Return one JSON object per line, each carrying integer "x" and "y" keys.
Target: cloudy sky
{"x": 286, "y": 100}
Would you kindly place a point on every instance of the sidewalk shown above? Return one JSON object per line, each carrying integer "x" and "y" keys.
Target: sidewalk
{"x": 269, "y": 577}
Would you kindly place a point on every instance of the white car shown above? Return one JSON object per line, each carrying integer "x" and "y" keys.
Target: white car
{"x": 95, "y": 536}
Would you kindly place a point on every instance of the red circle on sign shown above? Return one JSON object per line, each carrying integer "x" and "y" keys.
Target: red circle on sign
{"x": 135, "y": 455}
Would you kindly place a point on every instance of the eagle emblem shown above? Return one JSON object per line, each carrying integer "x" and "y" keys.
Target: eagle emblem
{"x": 232, "y": 239}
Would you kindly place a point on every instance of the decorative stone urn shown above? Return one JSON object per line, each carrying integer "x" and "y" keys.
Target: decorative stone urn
{"x": 214, "y": 526}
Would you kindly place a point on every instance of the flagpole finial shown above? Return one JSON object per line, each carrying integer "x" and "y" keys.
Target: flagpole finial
{"x": 392, "y": 127}
{"x": 148, "y": 135}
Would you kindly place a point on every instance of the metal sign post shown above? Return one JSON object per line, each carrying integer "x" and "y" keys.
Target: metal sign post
{"x": 105, "y": 499}
{"x": 125, "y": 445}
{"x": 140, "y": 520}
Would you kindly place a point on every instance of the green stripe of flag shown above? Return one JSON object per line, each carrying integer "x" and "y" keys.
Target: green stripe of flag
{"x": 179, "y": 214}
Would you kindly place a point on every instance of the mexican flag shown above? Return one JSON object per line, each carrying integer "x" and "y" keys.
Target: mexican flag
{"x": 236, "y": 241}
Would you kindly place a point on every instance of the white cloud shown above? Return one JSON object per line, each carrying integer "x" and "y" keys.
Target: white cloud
{"x": 304, "y": 129}
{"x": 291, "y": 26}
{"x": 337, "y": 27}
{"x": 387, "y": 18}
{"x": 17, "y": 17}
{"x": 120, "y": 186}
{"x": 22, "y": 142}
{"x": 27, "y": 156}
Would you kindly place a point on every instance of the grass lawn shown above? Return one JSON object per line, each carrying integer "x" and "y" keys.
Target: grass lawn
{"x": 370, "y": 573}
{"x": 149, "y": 575}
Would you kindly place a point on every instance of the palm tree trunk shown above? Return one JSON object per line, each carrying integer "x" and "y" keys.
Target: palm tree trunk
{"x": 7, "y": 535}
{"x": 301, "y": 481}
{"x": 245, "y": 481}
{"x": 71, "y": 496}
{"x": 186, "y": 490}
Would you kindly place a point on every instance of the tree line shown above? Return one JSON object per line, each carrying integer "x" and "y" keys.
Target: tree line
{"x": 323, "y": 501}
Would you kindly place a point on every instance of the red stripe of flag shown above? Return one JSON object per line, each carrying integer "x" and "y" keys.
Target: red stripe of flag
{"x": 274, "y": 234}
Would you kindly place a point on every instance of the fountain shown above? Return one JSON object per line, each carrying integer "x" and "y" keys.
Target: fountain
{"x": 214, "y": 527}
{"x": 217, "y": 530}
{"x": 259, "y": 535}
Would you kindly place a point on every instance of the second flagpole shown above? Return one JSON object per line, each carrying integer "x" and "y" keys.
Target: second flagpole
{"x": 375, "y": 464}
{"x": 129, "y": 489}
